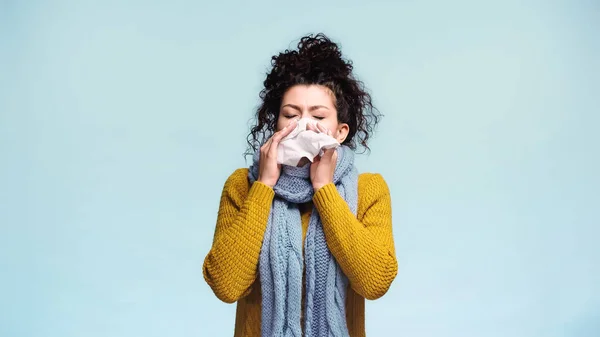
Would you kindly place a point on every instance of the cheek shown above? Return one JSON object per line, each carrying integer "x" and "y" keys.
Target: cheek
{"x": 329, "y": 124}
{"x": 281, "y": 122}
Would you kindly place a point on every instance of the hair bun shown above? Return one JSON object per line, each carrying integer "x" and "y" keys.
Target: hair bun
{"x": 323, "y": 56}
{"x": 317, "y": 59}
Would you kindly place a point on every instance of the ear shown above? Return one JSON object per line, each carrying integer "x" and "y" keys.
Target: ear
{"x": 342, "y": 132}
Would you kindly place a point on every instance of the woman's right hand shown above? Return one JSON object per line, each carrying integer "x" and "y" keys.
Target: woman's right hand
{"x": 268, "y": 168}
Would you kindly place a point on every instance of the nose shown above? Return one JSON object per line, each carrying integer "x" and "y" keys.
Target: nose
{"x": 305, "y": 114}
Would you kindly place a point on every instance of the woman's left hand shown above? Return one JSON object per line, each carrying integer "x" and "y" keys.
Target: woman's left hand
{"x": 323, "y": 167}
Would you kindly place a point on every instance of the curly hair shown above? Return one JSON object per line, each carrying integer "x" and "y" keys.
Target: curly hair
{"x": 319, "y": 61}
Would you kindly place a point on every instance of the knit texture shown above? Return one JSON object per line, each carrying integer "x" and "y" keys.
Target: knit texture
{"x": 361, "y": 243}
{"x": 281, "y": 261}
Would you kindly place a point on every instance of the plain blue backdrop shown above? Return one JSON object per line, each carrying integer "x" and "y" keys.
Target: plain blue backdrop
{"x": 120, "y": 121}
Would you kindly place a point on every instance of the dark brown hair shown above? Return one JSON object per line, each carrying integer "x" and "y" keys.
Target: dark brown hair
{"x": 317, "y": 60}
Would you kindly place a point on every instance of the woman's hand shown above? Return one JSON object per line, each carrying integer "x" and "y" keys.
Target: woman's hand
{"x": 323, "y": 167}
{"x": 268, "y": 168}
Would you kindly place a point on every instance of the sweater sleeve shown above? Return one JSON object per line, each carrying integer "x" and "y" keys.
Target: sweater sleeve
{"x": 230, "y": 267}
{"x": 362, "y": 245}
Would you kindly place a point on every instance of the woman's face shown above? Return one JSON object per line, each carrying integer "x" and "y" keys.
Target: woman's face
{"x": 311, "y": 101}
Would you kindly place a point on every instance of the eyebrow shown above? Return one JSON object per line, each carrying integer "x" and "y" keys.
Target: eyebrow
{"x": 312, "y": 108}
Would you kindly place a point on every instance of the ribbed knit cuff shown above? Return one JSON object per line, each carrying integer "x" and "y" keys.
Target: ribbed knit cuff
{"x": 261, "y": 193}
{"x": 325, "y": 195}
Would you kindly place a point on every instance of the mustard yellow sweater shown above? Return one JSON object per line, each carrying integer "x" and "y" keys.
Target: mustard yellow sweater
{"x": 362, "y": 245}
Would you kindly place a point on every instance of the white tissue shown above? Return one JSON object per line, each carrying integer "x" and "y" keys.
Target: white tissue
{"x": 303, "y": 143}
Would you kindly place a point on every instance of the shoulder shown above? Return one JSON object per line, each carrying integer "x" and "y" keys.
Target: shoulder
{"x": 372, "y": 190}
{"x": 239, "y": 174}
{"x": 237, "y": 183}
{"x": 372, "y": 183}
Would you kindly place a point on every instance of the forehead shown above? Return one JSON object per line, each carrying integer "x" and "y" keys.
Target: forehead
{"x": 308, "y": 95}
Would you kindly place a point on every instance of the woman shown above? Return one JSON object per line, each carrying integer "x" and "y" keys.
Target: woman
{"x": 299, "y": 248}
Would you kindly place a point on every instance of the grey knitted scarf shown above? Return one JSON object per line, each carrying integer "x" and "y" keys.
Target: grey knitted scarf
{"x": 281, "y": 261}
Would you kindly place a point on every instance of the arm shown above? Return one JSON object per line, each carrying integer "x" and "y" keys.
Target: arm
{"x": 363, "y": 244}
{"x": 230, "y": 268}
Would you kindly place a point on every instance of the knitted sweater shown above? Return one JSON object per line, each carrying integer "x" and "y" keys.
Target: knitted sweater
{"x": 362, "y": 245}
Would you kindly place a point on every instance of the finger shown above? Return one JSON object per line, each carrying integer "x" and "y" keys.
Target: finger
{"x": 280, "y": 135}
{"x": 285, "y": 131}
{"x": 328, "y": 156}
{"x": 322, "y": 128}
{"x": 290, "y": 127}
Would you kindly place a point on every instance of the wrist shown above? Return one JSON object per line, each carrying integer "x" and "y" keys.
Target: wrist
{"x": 318, "y": 186}
{"x": 266, "y": 182}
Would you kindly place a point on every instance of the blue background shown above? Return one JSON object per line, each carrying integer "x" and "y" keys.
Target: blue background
{"x": 119, "y": 124}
